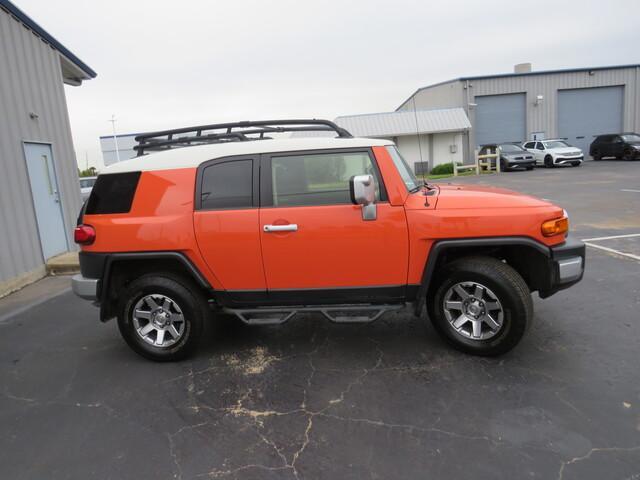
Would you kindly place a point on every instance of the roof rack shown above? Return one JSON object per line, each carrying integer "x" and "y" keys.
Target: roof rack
{"x": 230, "y": 132}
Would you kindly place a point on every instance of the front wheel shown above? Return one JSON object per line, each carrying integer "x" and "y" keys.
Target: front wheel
{"x": 627, "y": 155}
{"x": 548, "y": 161}
{"x": 481, "y": 306}
{"x": 161, "y": 317}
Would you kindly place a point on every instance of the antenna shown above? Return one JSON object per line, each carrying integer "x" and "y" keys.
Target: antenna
{"x": 415, "y": 117}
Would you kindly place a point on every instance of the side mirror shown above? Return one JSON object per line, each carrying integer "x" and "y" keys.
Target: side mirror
{"x": 363, "y": 192}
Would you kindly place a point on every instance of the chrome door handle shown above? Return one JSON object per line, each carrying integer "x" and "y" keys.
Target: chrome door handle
{"x": 292, "y": 227}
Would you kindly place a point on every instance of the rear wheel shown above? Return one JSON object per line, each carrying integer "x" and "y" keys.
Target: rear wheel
{"x": 596, "y": 155}
{"x": 627, "y": 155}
{"x": 482, "y": 306}
{"x": 161, "y": 317}
{"x": 548, "y": 161}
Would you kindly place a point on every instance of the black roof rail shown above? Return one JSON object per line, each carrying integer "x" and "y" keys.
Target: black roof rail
{"x": 230, "y": 132}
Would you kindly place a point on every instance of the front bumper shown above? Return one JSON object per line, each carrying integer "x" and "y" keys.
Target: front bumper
{"x": 565, "y": 160}
{"x": 567, "y": 265}
{"x": 86, "y": 288}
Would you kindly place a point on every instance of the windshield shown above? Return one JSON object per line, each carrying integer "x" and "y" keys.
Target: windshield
{"x": 403, "y": 168}
{"x": 556, "y": 144}
{"x": 510, "y": 148}
{"x": 631, "y": 138}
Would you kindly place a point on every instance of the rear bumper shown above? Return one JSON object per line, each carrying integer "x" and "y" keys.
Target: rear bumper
{"x": 86, "y": 288}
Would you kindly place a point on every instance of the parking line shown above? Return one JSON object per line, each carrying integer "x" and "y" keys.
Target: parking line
{"x": 629, "y": 190}
{"x": 615, "y": 252}
{"x": 630, "y": 235}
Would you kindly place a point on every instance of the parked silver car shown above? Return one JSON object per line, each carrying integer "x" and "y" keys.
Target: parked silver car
{"x": 86, "y": 185}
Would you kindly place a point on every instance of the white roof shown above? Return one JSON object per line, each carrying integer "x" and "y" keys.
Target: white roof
{"x": 193, "y": 156}
{"x": 396, "y": 124}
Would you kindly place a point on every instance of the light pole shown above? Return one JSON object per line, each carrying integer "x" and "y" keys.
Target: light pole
{"x": 115, "y": 137}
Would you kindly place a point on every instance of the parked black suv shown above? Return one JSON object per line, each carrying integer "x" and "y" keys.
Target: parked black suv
{"x": 624, "y": 145}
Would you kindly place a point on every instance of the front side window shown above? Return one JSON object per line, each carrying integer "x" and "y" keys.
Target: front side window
{"x": 318, "y": 179}
{"x": 227, "y": 185}
{"x": 529, "y": 145}
{"x": 403, "y": 168}
{"x": 539, "y": 146}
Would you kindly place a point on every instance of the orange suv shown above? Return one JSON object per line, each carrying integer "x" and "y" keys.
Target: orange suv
{"x": 230, "y": 218}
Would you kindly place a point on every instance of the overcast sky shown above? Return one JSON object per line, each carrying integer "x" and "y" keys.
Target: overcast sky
{"x": 164, "y": 64}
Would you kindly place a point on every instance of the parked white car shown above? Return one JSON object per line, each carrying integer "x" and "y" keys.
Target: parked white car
{"x": 86, "y": 185}
{"x": 554, "y": 152}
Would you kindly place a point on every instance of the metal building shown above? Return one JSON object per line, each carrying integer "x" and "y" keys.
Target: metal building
{"x": 118, "y": 148}
{"x": 425, "y": 138}
{"x": 39, "y": 190}
{"x": 576, "y": 104}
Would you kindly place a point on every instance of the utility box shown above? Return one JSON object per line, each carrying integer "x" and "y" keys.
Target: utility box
{"x": 421, "y": 168}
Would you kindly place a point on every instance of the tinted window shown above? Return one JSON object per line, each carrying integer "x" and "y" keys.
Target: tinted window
{"x": 113, "y": 193}
{"x": 539, "y": 146}
{"x": 317, "y": 179}
{"x": 529, "y": 144}
{"x": 227, "y": 185}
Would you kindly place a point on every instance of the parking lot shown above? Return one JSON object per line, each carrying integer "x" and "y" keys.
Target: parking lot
{"x": 312, "y": 399}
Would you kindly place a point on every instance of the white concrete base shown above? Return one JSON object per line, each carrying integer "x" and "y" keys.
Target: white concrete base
{"x": 16, "y": 283}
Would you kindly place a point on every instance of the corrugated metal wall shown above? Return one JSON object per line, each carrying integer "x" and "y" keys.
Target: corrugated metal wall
{"x": 30, "y": 81}
{"x": 444, "y": 95}
{"x": 544, "y": 116}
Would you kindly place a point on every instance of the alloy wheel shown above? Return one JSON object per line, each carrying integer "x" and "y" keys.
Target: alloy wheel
{"x": 158, "y": 320}
{"x": 473, "y": 310}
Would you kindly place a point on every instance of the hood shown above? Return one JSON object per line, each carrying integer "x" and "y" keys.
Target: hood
{"x": 565, "y": 150}
{"x": 474, "y": 196}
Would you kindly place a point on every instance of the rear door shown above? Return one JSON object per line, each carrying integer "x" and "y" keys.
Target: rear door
{"x": 321, "y": 250}
{"x": 226, "y": 223}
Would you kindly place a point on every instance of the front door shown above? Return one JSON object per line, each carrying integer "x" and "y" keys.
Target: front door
{"x": 321, "y": 250}
{"x": 46, "y": 199}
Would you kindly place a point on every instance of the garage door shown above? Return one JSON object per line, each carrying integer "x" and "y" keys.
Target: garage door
{"x": 500, "y": 118}
{"x": 586, "y": 112}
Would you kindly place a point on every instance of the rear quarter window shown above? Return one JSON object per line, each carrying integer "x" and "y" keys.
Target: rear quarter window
{"x": 113, "y": 193}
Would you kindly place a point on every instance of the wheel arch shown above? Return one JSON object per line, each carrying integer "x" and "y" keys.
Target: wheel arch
{"x": 122, "y": 268}
{"x": 530, "y": 258}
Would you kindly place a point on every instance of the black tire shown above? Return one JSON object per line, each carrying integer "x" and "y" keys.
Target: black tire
{"x": 627, "y": 155}
{"x": 505, "y": 283}
{"x": 548, "y": 161}
{"x": 596, "y": 155}
{"x": 529, "y": 168}
{"x": 184, "y": 294}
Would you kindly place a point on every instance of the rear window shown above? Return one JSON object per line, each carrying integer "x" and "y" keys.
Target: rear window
{"x": 113, "y": 193}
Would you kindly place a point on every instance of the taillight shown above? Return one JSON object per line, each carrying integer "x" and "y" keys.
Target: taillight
{"x": 84, "y": 234}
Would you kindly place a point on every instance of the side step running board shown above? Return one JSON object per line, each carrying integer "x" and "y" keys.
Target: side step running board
{"x": 335, "y": 313}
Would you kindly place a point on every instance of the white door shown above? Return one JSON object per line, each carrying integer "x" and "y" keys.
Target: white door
{"x": 46, "y": 199}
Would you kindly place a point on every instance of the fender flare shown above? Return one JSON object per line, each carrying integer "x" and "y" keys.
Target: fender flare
{"x": 441, "y": 246}
{"x": 112, "y": 258}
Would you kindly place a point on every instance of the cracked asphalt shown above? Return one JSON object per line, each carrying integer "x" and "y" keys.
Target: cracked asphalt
{"x": 315, "y": 400}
